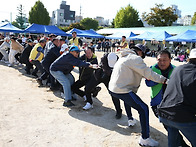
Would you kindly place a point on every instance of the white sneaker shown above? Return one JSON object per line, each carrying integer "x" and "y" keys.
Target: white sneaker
{"x": 131, "y": 123}
{"x": 84, "y": 97}
{"x": 10, "y": 65}
{"x": 87, "y": 106}
{"x": 148, "y": 142}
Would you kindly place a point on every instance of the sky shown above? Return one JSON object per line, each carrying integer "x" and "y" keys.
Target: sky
{"x": 93, "y": 8}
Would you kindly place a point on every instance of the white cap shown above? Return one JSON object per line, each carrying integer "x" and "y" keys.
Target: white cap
{"x": 35, "y": 41}
{"x": 193, "y": 53}
{"x": 6, "y": 38}
{"x": 112, "y": 58}
{"x": 63, "y": 47}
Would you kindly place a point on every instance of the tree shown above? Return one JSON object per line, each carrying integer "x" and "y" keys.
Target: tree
{"x": 89, "y": 23}
{"x": 193, "y": 21}
{"x": 20, "y": 21}
{"x": 39, "y": 14}
{"x": 127, "y": 17}
{"x": 160, "y": 16}
{"x": 77, "y": 26}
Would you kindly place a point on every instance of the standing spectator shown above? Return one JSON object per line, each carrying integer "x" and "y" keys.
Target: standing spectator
{"x": 92, "y": 47}
{"x": 178, "y": 107}
{"x": 107, "y": 46}
{"x": 158, "y": 46}
{"x": 123, "y": 43}
{"x": 187, "y": 52}
{"x": 125, "y": 81}
{"x": 131, "y": 44}
{"x": 61, "y": 70}
{"x": 75, "y": 41}
{"x": 15, "y": 47}
{"x": 4, "y": 48}
{"x": 103, "y": 45}
{"x": 99, "y": 45}
{"x": 25, "y": 56}
{"x": 36, "y": 56}
{"x": 177, "y": 49}
{"x": 165, "y": 68}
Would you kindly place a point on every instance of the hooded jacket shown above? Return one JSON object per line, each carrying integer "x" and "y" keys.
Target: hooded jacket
{"x": 129, "y": 71}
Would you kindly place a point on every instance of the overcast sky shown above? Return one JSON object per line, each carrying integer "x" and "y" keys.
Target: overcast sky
{"x": 91, "y": 8}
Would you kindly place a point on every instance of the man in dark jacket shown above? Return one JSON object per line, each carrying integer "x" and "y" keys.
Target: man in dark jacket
{"x": 49, "y": 58}
{"x": 178, "y": 107}
{"x": 85, "y": 73}
{"x": 25, "y": 56}
{"x": 102, "y": 75}
{"x": 61, "y": 70}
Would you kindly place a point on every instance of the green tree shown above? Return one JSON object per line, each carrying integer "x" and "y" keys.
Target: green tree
{"x": 39, "y": 14}
{"x": 14, "y": 23}
{"x": 127, "y": 17}
{"x": 160, "y": 16}
{"x": 193, "y": 21}
{"x": 89, "y": 23}
{"x": 20, "y": 21}
{"x": 77, "y": 26}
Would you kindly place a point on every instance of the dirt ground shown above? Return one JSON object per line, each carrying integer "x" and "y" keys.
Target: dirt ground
{"x": 31, "y": 116}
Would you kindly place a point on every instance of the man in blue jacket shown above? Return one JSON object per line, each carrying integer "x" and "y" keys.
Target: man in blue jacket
{"x": 61, "y": 70}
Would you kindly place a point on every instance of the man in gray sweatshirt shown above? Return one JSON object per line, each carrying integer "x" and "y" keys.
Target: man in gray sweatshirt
{"x": 125, "y": 81}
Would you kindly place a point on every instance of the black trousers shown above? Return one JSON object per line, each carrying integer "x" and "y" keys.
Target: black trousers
{"x": 91, "y": 85}
{"x": 38, "y": 66}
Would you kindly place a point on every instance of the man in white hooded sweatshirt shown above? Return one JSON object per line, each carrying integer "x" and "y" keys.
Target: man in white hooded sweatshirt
{"x": 125, "y": 81}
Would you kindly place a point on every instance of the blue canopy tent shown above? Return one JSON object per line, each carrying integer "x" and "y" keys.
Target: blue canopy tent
{"x": 188, "y": 36}
{"x": 45, "y": 29}
{"x": 118, "y": 35}
{"x": 85, "y": 33}
{"x": 159, "y": 36}
{"x": 8, "y": 27}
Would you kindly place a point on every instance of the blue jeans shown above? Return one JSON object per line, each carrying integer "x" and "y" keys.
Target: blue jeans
{"x": 187, "y": 129}
{"x": 134, "y": 101}
{"x": 66, "y": 81}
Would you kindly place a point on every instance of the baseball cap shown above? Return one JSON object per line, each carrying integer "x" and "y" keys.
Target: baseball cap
{"x": 112, "y": 58}
{"x": 35, "y": 41}
{"x": 63, "y": 47}
{"x": 29, "y": 41}
{"x": 74, "y": 48}
{"x": 141, "y": 47}
{"x": 192, "y": 53}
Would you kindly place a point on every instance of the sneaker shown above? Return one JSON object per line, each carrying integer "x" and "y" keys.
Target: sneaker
{"x": 96, "y": 91}
{"x": 118, "y": 115}
{"x": 68, "y": 103}
{"x": 9, "y": 65}
{"x": 148, "y": 142}
{"x": 85, "y": 99}
{"x": 87, "y": 106}
{"x": 131, "y": 123}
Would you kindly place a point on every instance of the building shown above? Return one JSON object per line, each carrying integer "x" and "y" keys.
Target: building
{"x": 178, "y": 22}
{"x": 187, "y": 20}
{"x": 101, "y": 21}
{"x": 63, "y": 16}
{"x": 78, "y": 18}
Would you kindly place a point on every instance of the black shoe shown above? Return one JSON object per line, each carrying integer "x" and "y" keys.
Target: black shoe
{"x": 34, "y": 74}
{"x": 68, "y": 104}
{"x": 73, "y": 98}
{"x": 96, "y": 91}
{"x": 118, "y": 115}
{"x": 54, "y": 88}
{"x": 39, "y": 81}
